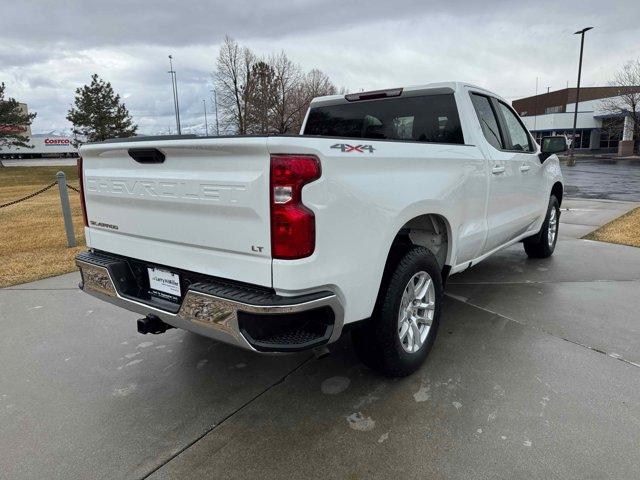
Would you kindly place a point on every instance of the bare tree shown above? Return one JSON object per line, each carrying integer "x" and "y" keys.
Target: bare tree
{"x": 314, "y": 84}
{"x": 318, "y": 84}
{"x": 627, "y": 100}
{"x": 259, "y": 96}
{"x": 286, "y": 104}
{"x": 233, "y": 81}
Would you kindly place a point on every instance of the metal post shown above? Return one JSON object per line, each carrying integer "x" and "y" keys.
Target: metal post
{"x": 206, "y": 125}
{"x": 173, "y": 90}
{"x": 535, "y": 107}
{"x": 174, "y": 86}
{"x": 175, "y": 81}
{"x": 572, "y": 160}
{"x": 66, "y": 208}
{"x": 215, "y": 104}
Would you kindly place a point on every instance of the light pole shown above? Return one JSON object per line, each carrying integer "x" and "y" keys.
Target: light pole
{"x": 206, "y": 125}
{"x": 215, "y": 105}
{"x": 174, "y": 86}
{"x": 572, "y": 160}
{"x": 535, "y": 107}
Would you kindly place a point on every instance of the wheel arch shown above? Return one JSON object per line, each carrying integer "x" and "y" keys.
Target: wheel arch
{"x": 557, "y": 189}
{"x": 430, "y": 230}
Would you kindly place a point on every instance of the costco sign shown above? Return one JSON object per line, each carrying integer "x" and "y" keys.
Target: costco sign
{"x": 65, "y": 142}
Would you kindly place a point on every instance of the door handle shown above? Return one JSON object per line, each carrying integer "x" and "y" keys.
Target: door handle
{"x": 525, "y": 168}
{"x": 498, "y": 169}
{"x": 146, "y": 155}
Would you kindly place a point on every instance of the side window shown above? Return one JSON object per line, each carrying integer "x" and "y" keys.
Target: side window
{"x": 519, "y": 138}
{"x": 488, "y": 120}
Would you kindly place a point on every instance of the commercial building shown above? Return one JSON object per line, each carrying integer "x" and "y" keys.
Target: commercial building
{"x": 43, "y": 146}
{"x": 598, "y": 129}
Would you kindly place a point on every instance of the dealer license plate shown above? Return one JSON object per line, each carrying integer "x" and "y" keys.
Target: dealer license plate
{"x": 164, "y": 281}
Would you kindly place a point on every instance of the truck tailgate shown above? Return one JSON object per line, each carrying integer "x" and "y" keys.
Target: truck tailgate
{"x": 205, "y": 208}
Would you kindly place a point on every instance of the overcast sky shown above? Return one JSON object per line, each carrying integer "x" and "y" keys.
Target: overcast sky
{"x": 49, "y": 48}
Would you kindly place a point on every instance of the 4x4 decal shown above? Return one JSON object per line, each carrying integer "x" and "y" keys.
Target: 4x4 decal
{"x": 345, "y": 147}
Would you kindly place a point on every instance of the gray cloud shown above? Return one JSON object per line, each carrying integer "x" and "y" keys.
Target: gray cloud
{"x": 170, "y": 23}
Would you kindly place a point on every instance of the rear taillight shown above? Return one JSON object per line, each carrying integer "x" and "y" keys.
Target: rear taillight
{"x": 293, "y": 226}
{"x": 82, "y": 201}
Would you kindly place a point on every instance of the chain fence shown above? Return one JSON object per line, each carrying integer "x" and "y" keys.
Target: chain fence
{"x": 35, "y": 194}
{"x": 67, "y": 215}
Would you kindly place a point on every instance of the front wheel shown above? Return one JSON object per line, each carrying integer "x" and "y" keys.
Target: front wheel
{"x": 399, "y": 336}
{"x": 543, "y": 243}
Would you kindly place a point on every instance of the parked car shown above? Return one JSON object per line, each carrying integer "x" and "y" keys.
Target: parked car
{"x": 283, "y": 243}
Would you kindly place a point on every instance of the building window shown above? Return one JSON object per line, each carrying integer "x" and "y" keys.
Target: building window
{"x": 611, "y": 132}
{"x": 556, "y": 109}
{"x": 609, "y": 139}
{"x": 537, "y": 137}
{"x": 583, "y": 136}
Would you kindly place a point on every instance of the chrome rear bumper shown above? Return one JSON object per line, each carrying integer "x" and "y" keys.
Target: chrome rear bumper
{"x": 209, "y": 309}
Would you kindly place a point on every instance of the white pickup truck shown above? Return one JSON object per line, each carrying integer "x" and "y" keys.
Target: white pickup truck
{"x": 283, "y": 243}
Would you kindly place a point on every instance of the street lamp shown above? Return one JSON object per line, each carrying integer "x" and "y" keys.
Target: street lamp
{"x": 215, "y": 105}
{"x": 174, "y": 86}
{"x": 206, "y": 125}
{"x": 572, "y": 160}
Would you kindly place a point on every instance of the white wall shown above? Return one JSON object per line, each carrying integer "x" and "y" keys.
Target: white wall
{"x": 44, "y": 144}
{"x": 558, "y": 121}
{"x": 586, "y": 113}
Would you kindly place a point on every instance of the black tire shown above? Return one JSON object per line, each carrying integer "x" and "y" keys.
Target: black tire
{"x": 538, "y": 246}
{"x": 377, "y": 341}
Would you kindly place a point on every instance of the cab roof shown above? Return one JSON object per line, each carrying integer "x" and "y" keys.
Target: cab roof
{"x": 437, "y": 88}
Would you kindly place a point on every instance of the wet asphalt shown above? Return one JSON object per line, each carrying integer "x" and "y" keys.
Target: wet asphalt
{"x": 597, "y": 178}
{"x": 535, "y": 374}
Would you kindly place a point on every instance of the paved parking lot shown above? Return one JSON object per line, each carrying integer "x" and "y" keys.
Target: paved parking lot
{"x": 613, "y": 179}
{"x": 535, "y": 374}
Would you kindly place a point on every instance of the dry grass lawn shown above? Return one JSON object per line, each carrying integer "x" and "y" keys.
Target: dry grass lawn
{"x": 33, "y": 243}
{"x": 624, "y": 230}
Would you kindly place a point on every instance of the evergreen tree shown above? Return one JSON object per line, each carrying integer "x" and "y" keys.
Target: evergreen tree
{"x": 13, "y": 122}
{"x": 98, "y": 114}
{"x": 259, "y": 116}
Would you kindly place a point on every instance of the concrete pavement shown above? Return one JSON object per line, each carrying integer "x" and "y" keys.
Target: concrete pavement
{"x": 535, "y": 374}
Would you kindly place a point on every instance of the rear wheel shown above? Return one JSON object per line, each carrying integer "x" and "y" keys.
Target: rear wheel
{"x": 399, "y": 336}
{"x": 543, "y": 243}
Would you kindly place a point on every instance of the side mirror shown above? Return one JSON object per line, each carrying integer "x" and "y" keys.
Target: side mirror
{"x": 551, "y": 145}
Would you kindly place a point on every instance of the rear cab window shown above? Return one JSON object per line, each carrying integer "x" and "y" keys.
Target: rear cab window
{"x": 424, "y": 118}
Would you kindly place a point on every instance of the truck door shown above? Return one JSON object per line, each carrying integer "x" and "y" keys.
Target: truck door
{"x": 531, "y": 182}
{"x": 505, "y": 203}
